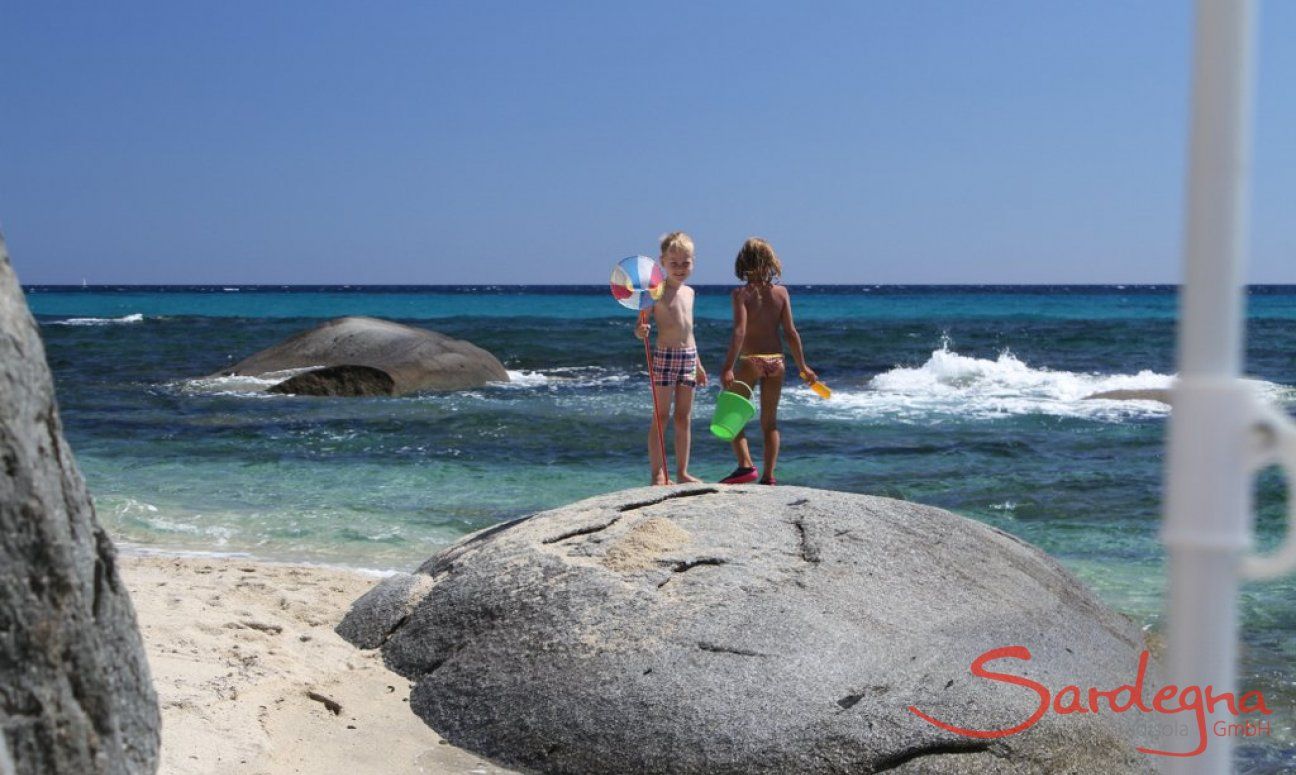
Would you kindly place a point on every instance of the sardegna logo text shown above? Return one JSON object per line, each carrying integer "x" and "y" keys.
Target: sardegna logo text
{"x": 1169, "y": 700}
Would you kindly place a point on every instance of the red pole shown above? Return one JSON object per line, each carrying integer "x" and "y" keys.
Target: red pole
{"x": 661, "y": 437}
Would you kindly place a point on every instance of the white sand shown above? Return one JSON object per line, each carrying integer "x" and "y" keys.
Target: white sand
{"x": 235, "y": 648}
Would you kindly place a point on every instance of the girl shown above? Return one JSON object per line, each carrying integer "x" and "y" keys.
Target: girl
{"x": 760, "y": 309}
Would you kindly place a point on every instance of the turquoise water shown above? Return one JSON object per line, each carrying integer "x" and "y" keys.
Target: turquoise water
{"x": 965, "y": 398}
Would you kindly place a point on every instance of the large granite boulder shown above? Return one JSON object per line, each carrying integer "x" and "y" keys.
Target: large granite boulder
{"x": 751, "y": 630}
{"x": 75, "y": 691}
{"x": 368, "y": 356}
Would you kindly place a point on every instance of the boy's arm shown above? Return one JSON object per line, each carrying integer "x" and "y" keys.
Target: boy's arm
{"x": 645, "y": 322}
{"x": 794, "y": 339}
{"x": 736, "y": 341}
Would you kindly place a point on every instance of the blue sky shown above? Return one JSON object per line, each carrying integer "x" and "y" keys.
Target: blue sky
{"x": 494, "y": 142}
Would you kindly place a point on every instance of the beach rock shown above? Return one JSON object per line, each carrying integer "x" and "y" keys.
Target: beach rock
{"x": 6, "y": 763}
{"x": 75, "y": 691}
{"x": 1144, "y": 394}
{"x": 753, "y": 629}
{"x": 381, "y": 609}
{"x": 413, "y": 359}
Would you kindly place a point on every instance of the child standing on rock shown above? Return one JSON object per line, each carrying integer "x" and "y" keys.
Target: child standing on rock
{"x": 760, "y": 309}
{"x": 676, "y": 369}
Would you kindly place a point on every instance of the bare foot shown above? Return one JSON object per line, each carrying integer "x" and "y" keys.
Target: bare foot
{"x": 660, "y": 481}
{"x": 686, "y": 478}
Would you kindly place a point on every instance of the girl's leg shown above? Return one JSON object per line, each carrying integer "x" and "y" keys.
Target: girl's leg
{"x": 771, "y": 390}
{"x": 741, "y": 451}
{"x": 659, "y": 420}
{"x": 747, "y": 373}
{"x": 683, "y": 431}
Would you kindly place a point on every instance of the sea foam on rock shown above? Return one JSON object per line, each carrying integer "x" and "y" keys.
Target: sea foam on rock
{"x": 360, "y": 356}
{"x": 751, "y": 630}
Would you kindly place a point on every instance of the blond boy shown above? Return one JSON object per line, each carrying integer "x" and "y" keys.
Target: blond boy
{"x": 676, "y": 368}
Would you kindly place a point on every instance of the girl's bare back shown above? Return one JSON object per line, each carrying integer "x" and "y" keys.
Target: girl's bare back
{"x": 764, "y": 306}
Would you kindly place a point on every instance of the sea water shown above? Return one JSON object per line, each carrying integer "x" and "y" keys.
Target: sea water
{"x": 968, "y": 398}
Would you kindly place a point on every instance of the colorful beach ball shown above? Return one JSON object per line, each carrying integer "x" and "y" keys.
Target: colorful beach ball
{"x": 637, "y": 282}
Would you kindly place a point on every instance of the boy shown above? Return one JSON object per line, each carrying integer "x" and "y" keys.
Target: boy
{"x": 676, "y": 368}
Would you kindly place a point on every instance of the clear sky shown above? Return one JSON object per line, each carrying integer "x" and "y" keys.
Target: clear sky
{"x": 538, "y": 142}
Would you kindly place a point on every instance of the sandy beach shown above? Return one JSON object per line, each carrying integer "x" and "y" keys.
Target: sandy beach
{"x": 251, "y": 678}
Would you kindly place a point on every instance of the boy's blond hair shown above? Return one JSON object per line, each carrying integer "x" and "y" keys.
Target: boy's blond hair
{"x": 677, "y": 240}
{"x": 757, "y": 262}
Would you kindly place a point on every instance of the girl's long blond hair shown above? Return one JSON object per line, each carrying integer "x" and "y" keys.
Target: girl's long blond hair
{"x": 757, "y": 263}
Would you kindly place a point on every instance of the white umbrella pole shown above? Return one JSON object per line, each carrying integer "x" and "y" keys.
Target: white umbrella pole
{"x": 1208, "y": 498}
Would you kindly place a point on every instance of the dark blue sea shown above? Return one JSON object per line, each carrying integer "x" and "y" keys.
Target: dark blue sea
{"x": 968, "y": 398}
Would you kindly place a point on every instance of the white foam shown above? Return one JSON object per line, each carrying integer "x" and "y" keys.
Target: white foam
{"x": 524, "y": 379}
{"x": 126, "y": 546}
{"x": 950, "y": 385}
{"x": 238, "y": 384}
{"x": 946, "y": 373}
{"x": 134, "y": 318}
{"x": 565, "y": 376}
{"x": 148, "y": 516}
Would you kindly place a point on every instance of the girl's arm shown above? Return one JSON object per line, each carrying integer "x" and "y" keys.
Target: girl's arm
{"x": 794, "y": 339}
{"x": 736, "y": 341}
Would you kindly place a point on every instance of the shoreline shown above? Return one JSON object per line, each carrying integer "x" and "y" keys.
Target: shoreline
{"x": 251, "y": 678}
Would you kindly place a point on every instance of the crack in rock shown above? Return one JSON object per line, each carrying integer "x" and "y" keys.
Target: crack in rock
{"x": 583, "y": 531}
{"x": 391, "y": 632}
{"x": 944, "y": 748}
{"x": 331, "y": 704}
{"x": 809, "y": 551}
{"x": 664, "y": 498}
{"x": 849, "y": 701}
{"x": 705, "y": 646}
{"x": 688, "y": 565}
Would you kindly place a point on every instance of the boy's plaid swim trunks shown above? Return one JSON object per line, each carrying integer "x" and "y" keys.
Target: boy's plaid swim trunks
{"x": 674, "y": 366}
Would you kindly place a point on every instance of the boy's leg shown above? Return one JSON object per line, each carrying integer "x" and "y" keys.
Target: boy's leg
{"x": 771, "y": 390}
{"x": 655, "y": 445}
{"x": 683, "y": 431}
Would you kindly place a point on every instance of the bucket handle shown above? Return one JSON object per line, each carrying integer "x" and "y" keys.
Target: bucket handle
{"x": 751, "y": 394}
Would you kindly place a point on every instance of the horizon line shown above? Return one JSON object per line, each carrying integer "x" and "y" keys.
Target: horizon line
{"x": 223, "y": 285}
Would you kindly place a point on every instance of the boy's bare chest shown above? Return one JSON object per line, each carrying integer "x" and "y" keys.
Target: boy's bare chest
{"x": 676, "y": 309}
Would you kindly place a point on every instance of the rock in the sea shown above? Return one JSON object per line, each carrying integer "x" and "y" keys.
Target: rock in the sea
{"x": 346, "y": 352}
{"x": 75, "y": 691}
{"x": 753, "y": 630}
{"x": 1144, "y": 394}
{"x": 338, "y": 381}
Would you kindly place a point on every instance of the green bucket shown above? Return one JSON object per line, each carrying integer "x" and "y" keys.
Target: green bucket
{"x": 732, "y": 411}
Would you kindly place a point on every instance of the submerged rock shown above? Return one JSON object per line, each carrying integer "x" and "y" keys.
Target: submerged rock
{"x": 751, "y": 630}
{"x": 75, "y": 692}
{"x": 1142, "y": 394}
{"x": 368, "y": 356}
